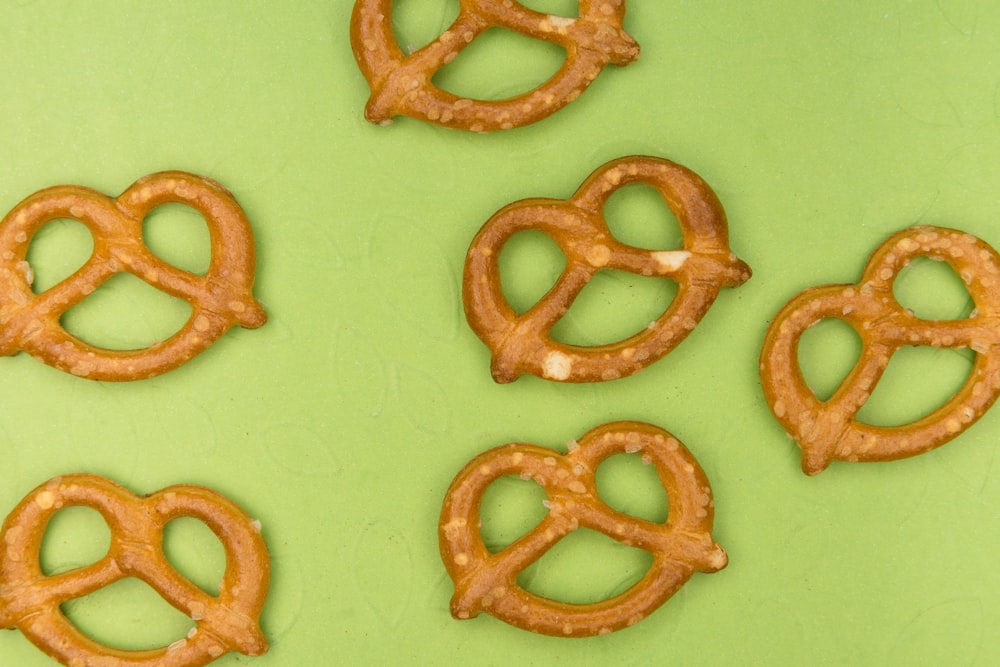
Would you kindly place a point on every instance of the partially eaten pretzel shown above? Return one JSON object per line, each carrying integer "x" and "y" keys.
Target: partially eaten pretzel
{"x": 30, "y": 600}
{"x": 401, "y": 84}
{"x": 219, "y": 299}
{"x": 522, "y": 343}
{"x": 487, "y": 582}
{"x": 829, "y": 430}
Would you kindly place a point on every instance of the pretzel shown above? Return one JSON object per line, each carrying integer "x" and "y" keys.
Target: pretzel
{"x": 29, "y": 600}
{"x": 486, "y": 582}
{"x": 401, "y": 84}
{"x": 523, "y": 344}
{"x": 220, "y": 298}
{"x": 828, "y": 430}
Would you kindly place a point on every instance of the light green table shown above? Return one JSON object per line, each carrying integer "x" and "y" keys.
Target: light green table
{"x": 824, "y": 127}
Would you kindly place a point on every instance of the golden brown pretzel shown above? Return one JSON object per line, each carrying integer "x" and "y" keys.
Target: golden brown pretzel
{"x": 401, "y": 84}
{"x": 220, "y": 298}
{"x": 828, "y": 430}
{"x": 522, "y": 343}
{"x": 29, "y": 599}
{"x": 487, "y": 582}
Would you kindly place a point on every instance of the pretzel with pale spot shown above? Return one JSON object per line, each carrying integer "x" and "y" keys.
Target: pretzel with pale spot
{"x": 401, "y": 84}
{"x": 829, "y": 430}
{"x": 219, "y": 299}
{"x": 487, "y": 582}
{"x": 522, "y": 343}
{"x": 30, "y": 600}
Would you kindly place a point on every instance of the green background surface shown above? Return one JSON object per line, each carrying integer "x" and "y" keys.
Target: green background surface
{"x": 823, "y": 127}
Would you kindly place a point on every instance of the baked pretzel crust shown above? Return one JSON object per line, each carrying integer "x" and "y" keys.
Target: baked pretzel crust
{"x": 523, "y": 344}
{"x": 29, "y": 599}
{"x": 487, "y": 582}
{"x": 829, "y": 430}
{"x": 219, "y": 299}
{"x": 401, "y": 84}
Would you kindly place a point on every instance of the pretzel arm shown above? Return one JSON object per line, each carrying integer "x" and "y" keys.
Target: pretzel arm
{"x": 572, "y": 33}
{"x": 55, "y": 589}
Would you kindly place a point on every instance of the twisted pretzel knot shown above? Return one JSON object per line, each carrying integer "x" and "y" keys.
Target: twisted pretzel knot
{"x": 29, "y": 600}
{"x": 523, "y": 344}
{"x": 401, "y": 84}
{"x": 828, "y": 430}
{"x": 219, "y": 299}
{"x": 486, "y": 582}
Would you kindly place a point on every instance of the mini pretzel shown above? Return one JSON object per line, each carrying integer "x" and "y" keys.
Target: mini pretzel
{"x": 828, "y": 430}
{"x": 219, "y": 299}
{"x": 401, "y": 84}
{"x": 29, "y": 600}
{"x": 523, "y": 344}
{"x": 487, "y": 582}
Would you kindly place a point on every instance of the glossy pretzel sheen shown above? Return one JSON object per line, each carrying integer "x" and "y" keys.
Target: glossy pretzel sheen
{"x": 219, "y": 299}
{"x": 523, "y": 343}
{"x": 487, "y": 582}
{"x": 401, "y": 84}
{"x": 30, "y": 599}
{"x": 829, "y": 430}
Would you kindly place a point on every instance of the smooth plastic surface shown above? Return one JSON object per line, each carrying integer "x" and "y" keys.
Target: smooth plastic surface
{"x": 823, "y": 127}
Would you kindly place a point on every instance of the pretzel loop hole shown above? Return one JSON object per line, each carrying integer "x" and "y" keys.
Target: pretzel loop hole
{"x": 195, "y": 551}
{"x": 510, "y": 507}
{"x": 585, "y": 567}
{"x": 179, "y": 236}
{"x": 629, "y": 213}
{"x": 58, "y": 250}
{"x": 827, "y": 353}
{"x": 628, "y": 483}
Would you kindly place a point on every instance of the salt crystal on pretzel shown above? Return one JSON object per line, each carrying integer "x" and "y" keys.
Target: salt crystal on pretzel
{"x": 401, "y": 84}
{"x": 30, "y": 600}
{"x": 487, "y": 582}
{"x": 829, "y": 430}
{"x": 219, "y": 299}
{"x": 523, "y": 344}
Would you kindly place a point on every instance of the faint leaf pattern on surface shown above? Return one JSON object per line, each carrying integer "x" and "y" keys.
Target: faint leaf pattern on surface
{"x": 189, "y": 425}
{"x": 312, "y": 457}
{"x": 962, "y": 15}
{"x": 383, "y": 570}
{"x": 284, "y": 602}
{"x": 360, "y": 373}
{"x": 424, "y": 400}
{"x": 949, "y": 633}
{"x": 420, "y": 286}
